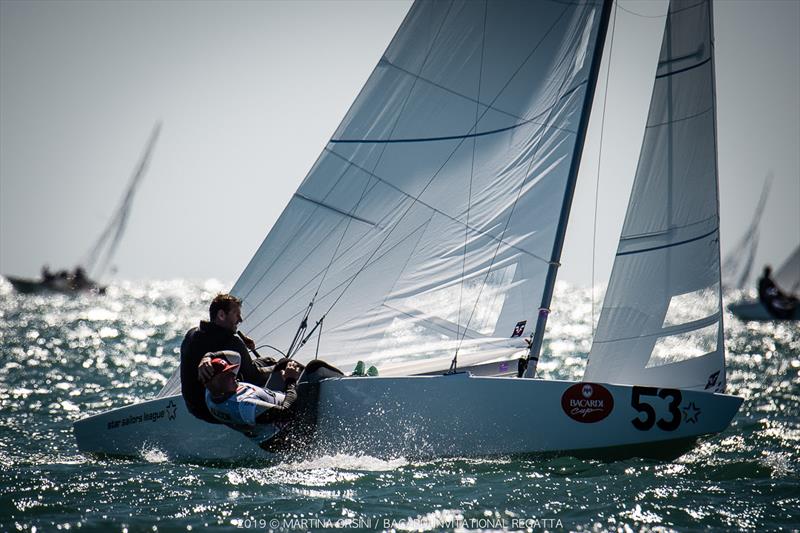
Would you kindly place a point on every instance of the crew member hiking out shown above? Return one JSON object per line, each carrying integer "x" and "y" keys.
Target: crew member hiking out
{"x": 244, "y": 406}
{"x": 276, "y": 421}
{"x": 215, "y": 335}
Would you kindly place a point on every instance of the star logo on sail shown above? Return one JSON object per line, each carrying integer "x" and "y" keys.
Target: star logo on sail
{"x": 172, "y": 410}
{"x": 691, "y": 413}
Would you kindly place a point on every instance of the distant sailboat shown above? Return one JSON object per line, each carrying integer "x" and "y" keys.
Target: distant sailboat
{"x": 97, "y": 260}
{"x": 785, "y": 305}
{"x": 428, "y": 235}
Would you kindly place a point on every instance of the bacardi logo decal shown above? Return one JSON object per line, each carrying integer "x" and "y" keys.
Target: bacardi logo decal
{"x": 587, "y": 402}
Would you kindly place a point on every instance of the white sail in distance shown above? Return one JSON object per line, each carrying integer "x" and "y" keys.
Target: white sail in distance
{"x": 427, "y": 224}
{"x": 661, "y": 321}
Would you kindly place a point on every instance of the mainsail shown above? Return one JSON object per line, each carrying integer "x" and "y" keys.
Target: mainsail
{"x": 661, "y": 322}
{"x": 427, "y": 224}
{"x": 102, "y": 251}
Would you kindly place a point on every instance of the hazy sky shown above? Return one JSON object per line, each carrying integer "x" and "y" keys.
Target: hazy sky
{"x": 250, "y": 92}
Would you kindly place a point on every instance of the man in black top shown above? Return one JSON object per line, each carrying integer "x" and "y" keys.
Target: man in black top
{"x": 778, "y": 304}
{"x": 220, "y": 333}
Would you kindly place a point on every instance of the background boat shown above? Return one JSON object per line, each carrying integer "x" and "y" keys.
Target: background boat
{"x": 787, "y": 278}
{"x": 96, "y": 262}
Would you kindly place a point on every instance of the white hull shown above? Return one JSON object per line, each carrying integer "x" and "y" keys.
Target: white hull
{"x": 435, "y": 416}
{"x": 755, "y": 311}
{"x": 162, "y": 425}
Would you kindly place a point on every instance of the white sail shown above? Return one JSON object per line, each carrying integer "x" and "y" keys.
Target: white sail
{"x": 426, "y": 224}
{"x": 788, "y": 275}
{"x": 426, "y": 221}
{"x": 661, "y": 322}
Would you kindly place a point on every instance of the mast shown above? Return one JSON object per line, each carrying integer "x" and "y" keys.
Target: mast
{"x": 721, "y": 329}
{"x": 529, "y": 366}
{"x": 103, "y": 250}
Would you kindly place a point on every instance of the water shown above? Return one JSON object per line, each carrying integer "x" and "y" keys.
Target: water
{"x": 63, "y": 357}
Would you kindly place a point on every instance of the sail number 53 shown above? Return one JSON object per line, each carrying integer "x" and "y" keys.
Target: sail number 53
{"x": 639, "y": 402}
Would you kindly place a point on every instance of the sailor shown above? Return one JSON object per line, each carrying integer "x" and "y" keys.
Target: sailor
{"x": 79, "y": 279}
{"x": 243, "y": 406}
{"x": 46, "y": 274}
{"x": 217, "y": 334}
{"x": 778, "y": 304}
{"x": 767, "y": 290}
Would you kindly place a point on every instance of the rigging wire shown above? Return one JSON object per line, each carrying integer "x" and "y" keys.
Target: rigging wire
{"x": 303, "y": 325}
{"x": 416, "y": 198}
{"x": 511, "y": 213}
{"x": 455, "y": 149}
{"x": 371, "y": 174}
{"x": 454, "y": 362}
{"x": 600, "y": 159}
{"x": 271, "y": 348}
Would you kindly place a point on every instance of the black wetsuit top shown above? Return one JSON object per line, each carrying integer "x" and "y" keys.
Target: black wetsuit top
{"x": 212, "y": 338}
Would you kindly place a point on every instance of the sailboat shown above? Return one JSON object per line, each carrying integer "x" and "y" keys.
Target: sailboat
{"x": 787, "y": 278}
{"x": 427, "y": 237}
{"x": 98, "y": 259}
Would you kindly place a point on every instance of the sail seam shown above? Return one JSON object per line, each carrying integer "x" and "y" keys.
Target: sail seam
{"x": 469, "y": 135}
{"x": 680, "y": 71}
{"x": 436, "y": 173}
{"x": 660, "y": 233}
{"x": 670, "y": 330}
{"x": 378, "y": 161}
{"x": 334, "y": 209}
{"x": 367, "y": 188}
{"x": 701, "y": 113}
{"x": 438, "y": 211}
{"x": 311, "y": 250}
{"x": 369, "y": 263}
{"x": 499, "y": 342}
{"x": 447, "y": 89}
{"x": 670, "y": 245}
{"x": 338, "y": 180}
{"x": 500, "y": 92}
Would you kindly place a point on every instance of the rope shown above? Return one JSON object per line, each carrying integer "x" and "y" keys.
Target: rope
{"x": 454, "y": 363}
